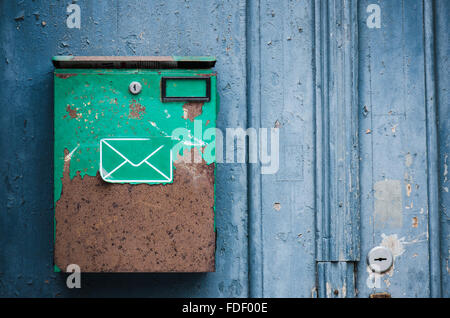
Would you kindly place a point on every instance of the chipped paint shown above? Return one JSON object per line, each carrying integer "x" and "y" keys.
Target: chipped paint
{"x": 394, "y": 128}
{"x": 72, "y": 112}
{"x": 393, "y": 243}
{"x": 70, "y": 154}
{"x": 344, "y": 291}
{"x": 136, "y": 109}
{"x": 65, "y": 75}
{"x": 192, "y": 110}
{"x": 314, "y": 292}
{"x": 189, "y": 156}
{"x": 421, "y": 238}
{"x": 329, "y": 292}
{"x": 445, "y": 173}
{"x": 408, "y": 160}
{"x": 277, "y": 124}
{"x": 415, "y": 222}
{"x": 388, "y": 204}
{"x": 408, "y": 190}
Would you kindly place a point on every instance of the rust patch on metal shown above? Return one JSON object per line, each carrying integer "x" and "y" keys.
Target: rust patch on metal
{"x": 192, "y": 155}
{"x": 65, "y": 76}
{"x": 415, "y": 222}
{"x": 136, "y": 109}
{"x": 105, "y": 227}
{"x": 206, "y": 75}
{"x": 192, "y": 110}
{"x": 72, "y": 112}
{"x": 380, "y": 295}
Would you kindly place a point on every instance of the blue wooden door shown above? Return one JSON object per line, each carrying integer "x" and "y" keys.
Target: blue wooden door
{"x": 358, "y": 90}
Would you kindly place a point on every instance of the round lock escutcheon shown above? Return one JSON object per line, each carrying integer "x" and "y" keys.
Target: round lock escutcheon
{"x": 380, "y": 259}
{"x": 135, "y": 88}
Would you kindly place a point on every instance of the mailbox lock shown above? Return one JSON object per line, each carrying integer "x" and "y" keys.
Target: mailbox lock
{"x": 135, "y": 88}
{"x": 380, "y": 259}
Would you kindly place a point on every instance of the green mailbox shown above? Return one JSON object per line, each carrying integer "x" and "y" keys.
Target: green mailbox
{"x": 134, "y": 163}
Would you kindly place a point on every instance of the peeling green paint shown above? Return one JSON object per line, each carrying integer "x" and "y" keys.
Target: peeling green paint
{"x": 91, "y": 104}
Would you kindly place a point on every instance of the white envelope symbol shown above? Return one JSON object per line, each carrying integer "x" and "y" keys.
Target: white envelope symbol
{"x": 136, "y": 160}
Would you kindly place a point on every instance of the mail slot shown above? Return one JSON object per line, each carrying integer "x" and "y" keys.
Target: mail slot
{"x": 134, "y": 178}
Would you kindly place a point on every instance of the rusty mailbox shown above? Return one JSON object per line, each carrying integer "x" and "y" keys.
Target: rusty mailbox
{"x": 134, "y": 163}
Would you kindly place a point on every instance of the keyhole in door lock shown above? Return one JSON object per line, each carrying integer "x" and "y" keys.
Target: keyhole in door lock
{"x": 380, "y": 259}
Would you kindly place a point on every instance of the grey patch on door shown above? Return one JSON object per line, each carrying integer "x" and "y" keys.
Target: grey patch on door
{"x": 388, "y": 204}
{"x": 291, "y": 163}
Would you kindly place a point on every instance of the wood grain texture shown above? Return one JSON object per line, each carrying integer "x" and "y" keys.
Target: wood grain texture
{"x": 286, "y": 101}
{"x": 442, "y": 53}
{"x": 395, "y": 148}
{"x": 337, "y": 132}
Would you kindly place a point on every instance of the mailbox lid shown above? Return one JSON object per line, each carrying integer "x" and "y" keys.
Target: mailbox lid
{"x": 148, "y": 62}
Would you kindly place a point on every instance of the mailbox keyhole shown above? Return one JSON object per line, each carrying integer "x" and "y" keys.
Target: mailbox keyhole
{"x": 380, "y": 259}
{"x": 135, "y": 88}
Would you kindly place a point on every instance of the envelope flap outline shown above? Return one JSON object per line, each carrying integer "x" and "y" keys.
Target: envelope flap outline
{"x": 134, "y": 150}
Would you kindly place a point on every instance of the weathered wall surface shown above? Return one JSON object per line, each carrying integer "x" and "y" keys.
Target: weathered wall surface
{"x": 443, "y": 83}
{"x": 333, "y": 83}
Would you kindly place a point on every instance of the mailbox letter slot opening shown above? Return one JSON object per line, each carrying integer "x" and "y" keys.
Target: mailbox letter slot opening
{"x": 189, "y": 89}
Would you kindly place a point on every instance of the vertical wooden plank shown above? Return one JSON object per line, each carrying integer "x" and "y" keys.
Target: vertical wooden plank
{"x": 394, "y": 163}
{"x": 287, "y": 198}
{"x": 255, "y": 230}
{"x": 442, "y": 65}
{"x": 338, "y": 279}
{"x": 337, "y": 151}
{"x": 337, "y": 175}
{"x": 432, "y": 151}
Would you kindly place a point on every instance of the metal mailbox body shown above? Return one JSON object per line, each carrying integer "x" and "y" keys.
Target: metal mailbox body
{"x": 133, "y": 176}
